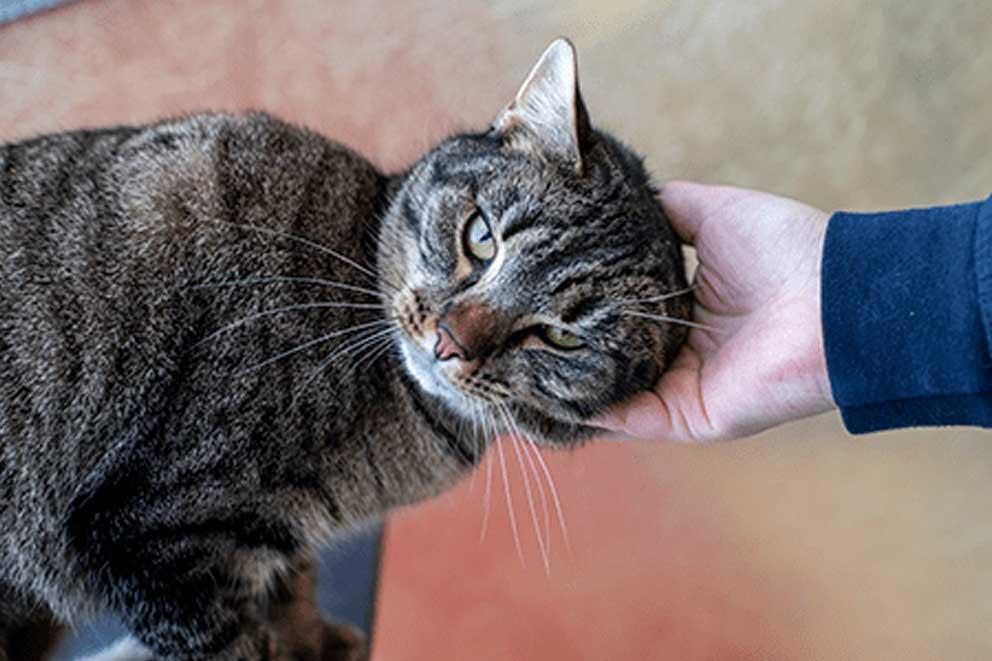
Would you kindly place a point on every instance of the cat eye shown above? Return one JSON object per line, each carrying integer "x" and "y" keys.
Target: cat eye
{"x": 479, "y": 241}
{"x": 562, "y": 339}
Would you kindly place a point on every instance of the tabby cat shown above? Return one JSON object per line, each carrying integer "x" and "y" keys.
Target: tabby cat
{"x": 225, "y": 339}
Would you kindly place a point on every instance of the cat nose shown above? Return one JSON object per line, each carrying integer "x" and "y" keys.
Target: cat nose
{"x": 447, "y": 346}
{"x": 467, "y": 330}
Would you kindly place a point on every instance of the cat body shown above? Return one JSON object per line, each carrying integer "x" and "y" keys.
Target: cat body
{"x": 225, "y": 339}
{"x": 126, "y": 427}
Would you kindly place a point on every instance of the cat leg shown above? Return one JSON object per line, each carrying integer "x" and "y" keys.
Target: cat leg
{"x": 289, "y": 627}
{"x": 294, "y": 615}
{"x": 216, "y": 626}
{"x": 199, "y": 618}
{"x": 190, "y": 591}
{"x": 343, "y": 642}
{"x": 188, "y": 597}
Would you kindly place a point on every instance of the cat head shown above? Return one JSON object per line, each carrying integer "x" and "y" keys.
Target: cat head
{"x": 523, "y": 266}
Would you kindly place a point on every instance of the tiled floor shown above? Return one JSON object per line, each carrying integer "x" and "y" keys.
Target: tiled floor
{"x": 801, "y": 544}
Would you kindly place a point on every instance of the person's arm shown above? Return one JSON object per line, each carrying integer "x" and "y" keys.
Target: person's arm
{"x": 907, "y": 299}
{"x": 888, "y": 316}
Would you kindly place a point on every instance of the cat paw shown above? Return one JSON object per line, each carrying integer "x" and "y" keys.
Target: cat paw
{"x": 343, "y": 642}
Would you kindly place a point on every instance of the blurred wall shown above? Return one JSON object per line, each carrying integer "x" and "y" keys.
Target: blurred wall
{"x": 803, "y": 543}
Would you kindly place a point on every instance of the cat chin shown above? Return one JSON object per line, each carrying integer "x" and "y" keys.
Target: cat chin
{"x": 538, "y": 427}
{"x": 422, "y": 368}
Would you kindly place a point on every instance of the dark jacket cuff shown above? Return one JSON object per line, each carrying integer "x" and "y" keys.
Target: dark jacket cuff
{"x": 907, "y": 316}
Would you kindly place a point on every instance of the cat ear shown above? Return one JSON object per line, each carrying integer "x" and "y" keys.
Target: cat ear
{"x": 550, "y": 107}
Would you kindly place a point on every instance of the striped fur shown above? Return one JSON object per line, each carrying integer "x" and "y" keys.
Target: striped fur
{"x": 575, "y": 250}
{"x": 184, "y": 415}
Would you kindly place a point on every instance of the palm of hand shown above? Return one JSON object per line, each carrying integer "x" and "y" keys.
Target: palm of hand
{"x": 760, "y": 359}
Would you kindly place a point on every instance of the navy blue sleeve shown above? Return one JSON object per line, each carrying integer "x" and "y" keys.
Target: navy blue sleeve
{"x": 907, "y": 316}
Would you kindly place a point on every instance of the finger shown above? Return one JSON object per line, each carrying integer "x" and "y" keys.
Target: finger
{"x": 645, "y": 417}
{"x": 681, "y": 201}
{"x": 611, "y": 421}
{"x": 689, "y": 205}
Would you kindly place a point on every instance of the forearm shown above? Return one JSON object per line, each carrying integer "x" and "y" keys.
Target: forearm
{"x": 906, "y": 304}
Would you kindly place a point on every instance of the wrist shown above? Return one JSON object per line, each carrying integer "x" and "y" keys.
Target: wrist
{"x": 823, "y": 397}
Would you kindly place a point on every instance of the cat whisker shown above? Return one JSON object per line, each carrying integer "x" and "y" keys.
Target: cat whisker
{"x": 541, "y": 543}
{"x": 385, "y": 350}
{"x": 475, "y": 442}
{"x": 663, "y": 297}
{"x": 372, "y": 350}
{"x": 460, "y": 434}
{"x": 373, "y": 354}
{"x": 393, "y": 284}
{"x": 280, "y": 310}
{"x": 509, "y": 503}
{"x": 288, "y": 279}
{"x": 530, "y": 449}
{"x": 554, "y": 495}
{"x": 530, "y": 496}
{"x": 671, "y": 320}
{"x": 307, "y": 345}
{"x": 487, "y": 493}
{"x": 348, "y": 347}
{"x": 303, "y": 241}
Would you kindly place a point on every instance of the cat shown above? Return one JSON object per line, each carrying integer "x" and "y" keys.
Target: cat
{"x": 225, "y": 339}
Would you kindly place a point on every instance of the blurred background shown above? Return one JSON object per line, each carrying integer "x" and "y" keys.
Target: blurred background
{"x": 803, "y": 543}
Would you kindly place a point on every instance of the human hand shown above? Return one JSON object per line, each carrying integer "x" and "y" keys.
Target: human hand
{"x": 760, "y": 361}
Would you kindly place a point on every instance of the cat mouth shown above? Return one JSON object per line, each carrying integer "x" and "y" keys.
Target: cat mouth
{"x": 452, "y": 380}
{"x": 429, "y": 374}
{"x": 418, "y": 351}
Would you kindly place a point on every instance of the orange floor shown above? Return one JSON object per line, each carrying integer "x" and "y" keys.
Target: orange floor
{"x": 801, "y": 544}
{"x": 648, "y": 574}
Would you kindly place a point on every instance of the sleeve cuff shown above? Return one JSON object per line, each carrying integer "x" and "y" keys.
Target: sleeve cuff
{"x": 983, "y": 268}
{"x": 907, "y": 316}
